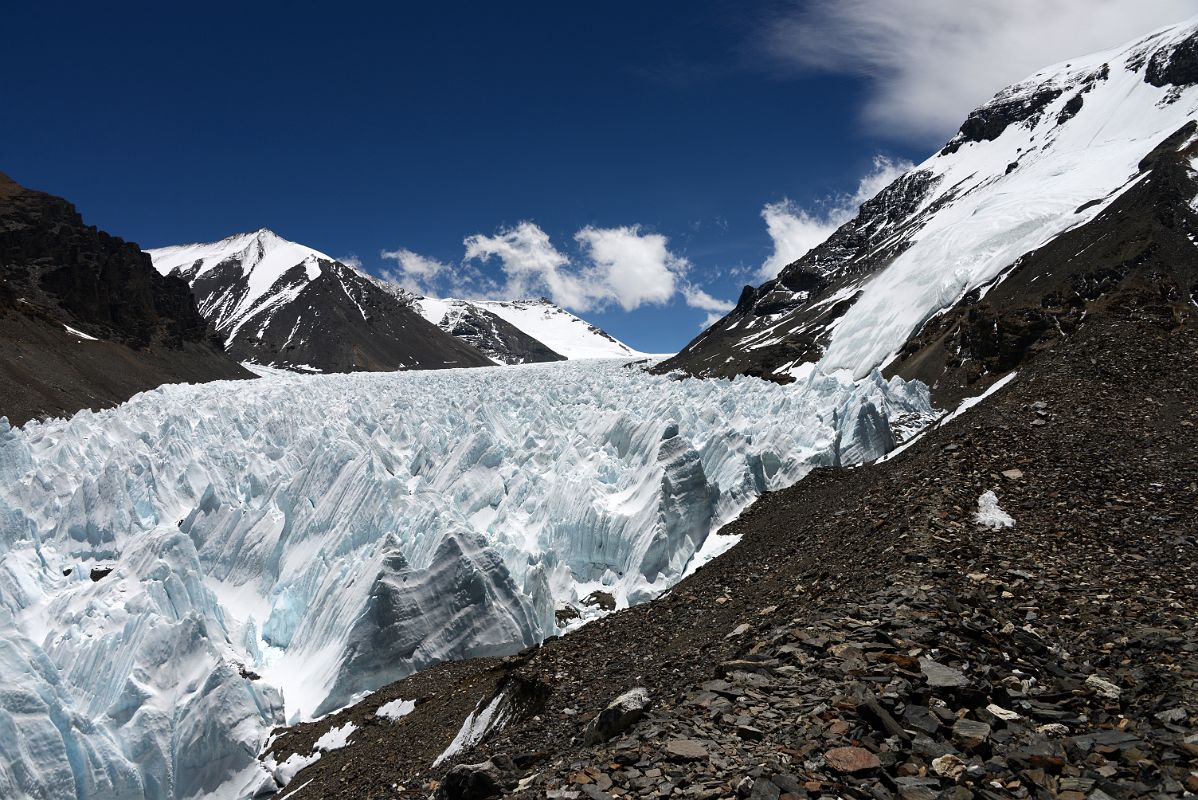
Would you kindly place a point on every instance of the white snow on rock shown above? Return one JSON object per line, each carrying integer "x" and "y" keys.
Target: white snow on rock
{"x": 481, "y": 721}
{"x": 335, "y": 738}
{"x": 396, "y": 709}
{"x": 331, "y": 533}
{"x": 265, "y": 257}
{"x": 1002, "y": 198}
{"x": 80, "y": 334}
{"x": 990, "y": 515}
{"x": 551, "y": 325}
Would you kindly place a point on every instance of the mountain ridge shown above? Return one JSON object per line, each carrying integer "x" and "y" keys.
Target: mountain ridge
{"x": 282, "y": 304}
{"x": 1043, "y": 157}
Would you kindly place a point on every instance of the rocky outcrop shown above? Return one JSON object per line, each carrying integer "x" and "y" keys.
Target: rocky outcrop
{"x": 85, "y": 320}
{"x": 1139, "y": 250}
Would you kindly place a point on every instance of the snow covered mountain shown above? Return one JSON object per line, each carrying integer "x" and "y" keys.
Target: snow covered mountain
{"x": 492, "y": 335}
{"x": 938, "y": 273}
{"x": 180, "y": 574}
{"x": 278, "y": 303}
{"x": 541, "y": 320}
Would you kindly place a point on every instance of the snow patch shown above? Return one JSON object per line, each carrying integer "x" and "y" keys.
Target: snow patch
{"x": 335, "y": 738}
{"x": 480, "y": 722}
{"x": 396, "y": 709}
{"x": 990, "y": 515}
{"x": 80, "y": 334}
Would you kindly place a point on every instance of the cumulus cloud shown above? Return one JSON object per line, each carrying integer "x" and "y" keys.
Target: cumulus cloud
{"x": 930, "y": 62}
{"x": 795, "y": 230}
{"x": 531, "y": 265}
{"x": 630, "y": 267}
{"x": 624, "y": 266}
{"x": 715, "y": 308}
{"x": 414, "y": 272}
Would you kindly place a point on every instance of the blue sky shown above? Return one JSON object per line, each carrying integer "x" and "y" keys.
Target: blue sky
{"x": 617, "y": 156}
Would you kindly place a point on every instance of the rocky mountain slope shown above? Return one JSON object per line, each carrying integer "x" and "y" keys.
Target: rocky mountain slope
{"x": 1064, "y": 187}
{"x": 85, "y": 321}
{"x": 495, "y": 337}
{"x": 281, "y": 304}
{"x": 541, "y": 320}
{"x": 878, "y": 632}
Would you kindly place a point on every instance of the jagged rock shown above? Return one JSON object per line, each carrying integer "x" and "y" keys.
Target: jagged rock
{"x": 623, "y": 712}
{"x": 970, "y": 734}
{"x": 602, "y": 600}
{"x": 1103, "y": 687}
{"x": 948, "y": 765}
{"x": 472, "y": 782}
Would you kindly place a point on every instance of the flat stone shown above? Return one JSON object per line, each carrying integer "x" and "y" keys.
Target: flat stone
{"x": 1002, "y": 713}
{"x": 1013, "y": 474}
{"x": 685, "y": 750}
{"x": 940, "y": 676}
{"x": 851, "y": 759}
{"x": 970, "y": 734}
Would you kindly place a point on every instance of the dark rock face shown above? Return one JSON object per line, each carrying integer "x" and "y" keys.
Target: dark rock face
{"x": 55, "y": 271}
{"x": 1176, "y": 66}
{"x": 495, "y": 337}
{"x": 108, "y": 285}
{"x": 988, "y": 122}
{"x": 789, "y": 319}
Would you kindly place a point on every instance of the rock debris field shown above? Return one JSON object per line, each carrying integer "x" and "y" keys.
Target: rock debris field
{"x": 868, "y": 638}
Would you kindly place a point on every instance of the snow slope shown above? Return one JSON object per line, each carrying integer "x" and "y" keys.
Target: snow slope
{"x": 999, "y": 214}
{"x": 1043, "y": 157}
{"x": 263, "y": 258}
{"x": 281, "y": 304}
{"x": 553, "y": 326}
{"x": 279, "y": 546}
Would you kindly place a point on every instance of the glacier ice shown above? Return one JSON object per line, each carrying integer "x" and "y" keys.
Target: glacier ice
{"x": 280, "y": 546}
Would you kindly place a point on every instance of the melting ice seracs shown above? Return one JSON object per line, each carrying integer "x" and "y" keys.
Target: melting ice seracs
{"x": 332, "y": 533}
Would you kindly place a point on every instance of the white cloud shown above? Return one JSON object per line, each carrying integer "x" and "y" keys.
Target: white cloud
{"x": 414, "y": 272}
{"x": 715, "y": 308}
{"x": 697, "y": 298}
{"x": 796, "y": 230}
{"x": 629, "y": 267}
{"x": 532, "y": 265}
{"x": 930, "y": 62}
{"x": 622, "y": 266}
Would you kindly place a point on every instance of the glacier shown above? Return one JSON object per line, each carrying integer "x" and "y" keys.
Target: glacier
{"x": 184, "y": 572}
